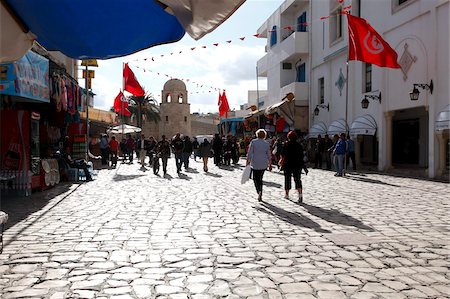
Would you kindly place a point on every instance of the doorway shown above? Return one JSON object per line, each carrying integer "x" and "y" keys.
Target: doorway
{"x": 405, "y": 144}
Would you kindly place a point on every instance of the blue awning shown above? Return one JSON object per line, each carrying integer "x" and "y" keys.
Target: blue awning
{"x": 102, "y": 29}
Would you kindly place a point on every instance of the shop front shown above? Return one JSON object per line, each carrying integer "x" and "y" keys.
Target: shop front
{"x": 363, "y": 131}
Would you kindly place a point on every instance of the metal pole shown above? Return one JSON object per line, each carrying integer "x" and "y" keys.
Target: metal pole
{"x": 346, "y": 116}
{"x": 87, "y": 110}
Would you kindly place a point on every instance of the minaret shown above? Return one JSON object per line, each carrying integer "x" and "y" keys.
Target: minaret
{"x": 175, "y": 111}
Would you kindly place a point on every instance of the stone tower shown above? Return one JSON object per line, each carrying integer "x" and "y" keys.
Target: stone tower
{"x": 175, "y": 111}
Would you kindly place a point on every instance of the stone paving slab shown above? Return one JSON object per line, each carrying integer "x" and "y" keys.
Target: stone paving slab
{"x": 131, "y": 234}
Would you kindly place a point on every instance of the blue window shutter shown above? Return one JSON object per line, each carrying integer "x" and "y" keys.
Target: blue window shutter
{"x": 301, "y": 73}
{"x": 301, "y": 21}
{"x": 273, "y": 36}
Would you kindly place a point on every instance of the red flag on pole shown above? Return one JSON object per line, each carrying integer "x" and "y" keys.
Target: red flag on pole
{"x": 365, "y": 44}
{"x": 121, "y": 105}
{"x": 223, "y": 104}
{"x": 130, "y": 83}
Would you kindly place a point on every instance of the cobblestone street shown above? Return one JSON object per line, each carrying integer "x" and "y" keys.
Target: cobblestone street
{"x": 131, "y": 234}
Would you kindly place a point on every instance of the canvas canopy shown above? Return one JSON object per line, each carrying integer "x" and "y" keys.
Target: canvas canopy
{"x": 102, "y": 29}
{"x": 337, "y": 127}
{"x": 123, "y": 129}
{"x": 317, "y": 129}
{"x": 363, "y": 125}
{"x": 443, "y": 119}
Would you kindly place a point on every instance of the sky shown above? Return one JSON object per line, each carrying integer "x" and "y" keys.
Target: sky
{"x": 228, "y": 66}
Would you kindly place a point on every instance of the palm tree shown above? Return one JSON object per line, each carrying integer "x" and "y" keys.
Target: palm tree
{"x": 145, "y": 105}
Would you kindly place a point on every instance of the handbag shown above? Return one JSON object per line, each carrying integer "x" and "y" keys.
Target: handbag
{"x": 246, "y": 174}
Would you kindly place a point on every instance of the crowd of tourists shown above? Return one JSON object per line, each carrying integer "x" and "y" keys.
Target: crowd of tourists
{"x": 290, "y": 154}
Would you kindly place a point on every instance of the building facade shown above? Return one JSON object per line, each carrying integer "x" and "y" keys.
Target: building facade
{"x": 394, "y": 131}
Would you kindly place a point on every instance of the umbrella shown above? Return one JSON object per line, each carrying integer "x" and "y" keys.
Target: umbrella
{"x": 124, "y": 129}
{"x": 102, "y": 29}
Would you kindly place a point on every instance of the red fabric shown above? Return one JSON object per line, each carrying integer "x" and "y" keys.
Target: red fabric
{"x": 223, "y": 105}
{"x": 113, "y": 145}
{"x": 281, "y": 122}
{"x": 131, "y": 84}
{"x": 365, "y": 44}
{"x": 120, "y": 102}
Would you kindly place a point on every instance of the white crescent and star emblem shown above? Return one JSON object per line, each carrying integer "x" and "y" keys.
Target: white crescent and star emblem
{"x": 373, "y": 44}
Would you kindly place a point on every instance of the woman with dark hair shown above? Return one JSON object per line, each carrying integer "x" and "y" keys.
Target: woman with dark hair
{"x": 293, "y": 163}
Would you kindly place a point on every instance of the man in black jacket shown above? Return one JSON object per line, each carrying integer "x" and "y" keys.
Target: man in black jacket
{"x": 187, "y": 151}
{"x": 177, "y": 148}
{"x": 217, "y": 146}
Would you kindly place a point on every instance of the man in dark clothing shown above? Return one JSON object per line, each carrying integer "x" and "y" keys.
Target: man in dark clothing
{"x": 320, "y": 146}
{"x": 195, "y": 148}
{"x": 227, "y": 149}
{"x": 187, "y": 151}
{"x": 177, "y": 148}
{"x": 217, "y": 146}
{"x": 163, "y": 152}
{"x": 328, "y": 150}
{"x": 79, "y": 164}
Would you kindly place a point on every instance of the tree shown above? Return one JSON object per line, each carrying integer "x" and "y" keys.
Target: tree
{"x": 144, "y": 106}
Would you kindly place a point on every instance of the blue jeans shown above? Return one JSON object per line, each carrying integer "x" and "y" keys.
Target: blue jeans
{"x": 186, "y": 159}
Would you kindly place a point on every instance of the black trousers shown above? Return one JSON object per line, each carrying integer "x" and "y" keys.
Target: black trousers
{"x": 351, "y": 156}
{"x": 318, "y": 160}
{"x": 288, "y": 174}
{"x": 258, "y": 179}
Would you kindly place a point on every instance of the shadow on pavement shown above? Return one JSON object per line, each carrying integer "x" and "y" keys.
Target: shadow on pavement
{"x": 191, "y": 170}
{"x": 291, "y": 217}
{"x": 367, "y": 180}
{"x": 227, "y": 168}
{"x": 272, "y": 184}
{"x": 167, "y": 176}
{"x": 335, "y": 216}
{"x": 213, "y": 174}
{"x": 19, "y": 208}
{"x": 184, "y": 177}
{"x": 121, "y": 177}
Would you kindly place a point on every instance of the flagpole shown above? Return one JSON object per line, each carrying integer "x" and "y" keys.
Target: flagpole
{"x": 123, "y": 112}
{"x": 87, "y": 110}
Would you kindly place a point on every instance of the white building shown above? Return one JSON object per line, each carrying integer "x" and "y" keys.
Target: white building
{"x": 394, "y": 131}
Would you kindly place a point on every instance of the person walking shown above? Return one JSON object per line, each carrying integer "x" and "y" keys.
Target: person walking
{"x": 104, "y": 148}
{"x": 142, "y": 145}
{"x": 217, "y": 146}
{"x": 259, "y": 157}
{"x": 130, "y": 146}
{"x": 339, "y": 151}
{"x": 163, "y": 151}
{"x": 177, "y": 147}
{"x": 293, "y": 163}
{"x": 205, "y": 153}
{"x": 195, "y": 148}
{"x": 113, "y": 149}
{"x": 351, "y": 152}
{"x": 187, "y": 151}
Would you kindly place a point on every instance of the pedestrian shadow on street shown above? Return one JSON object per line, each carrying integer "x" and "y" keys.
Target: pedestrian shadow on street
{"x": 367, "y": 180}
{"x": 272, "y": 184}
{"x": 226, "y": 167}
{"x": 121, "y": 177}
{"x": 184, "y": 176}
{"x": 191, "y": 170}
{"x": 213, "y": 174}
{"x": 291, "y": 217}
{"x": 167, "y": 176}
{"x": 335, "y": 216}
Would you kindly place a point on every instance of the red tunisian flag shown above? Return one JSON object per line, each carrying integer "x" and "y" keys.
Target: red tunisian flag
{"x": 130, "y": 83}
{"x": 365, "y": 44}
{"x": 223, "y": 105}
{"x": 121, "y": 105}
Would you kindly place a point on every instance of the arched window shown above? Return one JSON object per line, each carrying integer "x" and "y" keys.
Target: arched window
{"x": 168, "y": 98}
{"x": 180, "y": 98}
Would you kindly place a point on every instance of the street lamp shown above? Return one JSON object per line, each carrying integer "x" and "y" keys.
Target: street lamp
{"x": 316, "y": 111}
{"x": 365, "y": 101}
{"x": 414, "y": 94}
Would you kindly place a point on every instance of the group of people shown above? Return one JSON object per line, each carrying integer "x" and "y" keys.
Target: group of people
{"x": 291, "y": 162}
{"x": 335, "y": 152}
{"x": 226, "y": 150}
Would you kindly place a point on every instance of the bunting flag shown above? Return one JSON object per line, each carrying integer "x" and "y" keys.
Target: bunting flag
{"x": 121, "y": 105}
{"x": 223, "y": 105}
{"x": 365, "y": 44}
{"x": 130, "y": 83}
